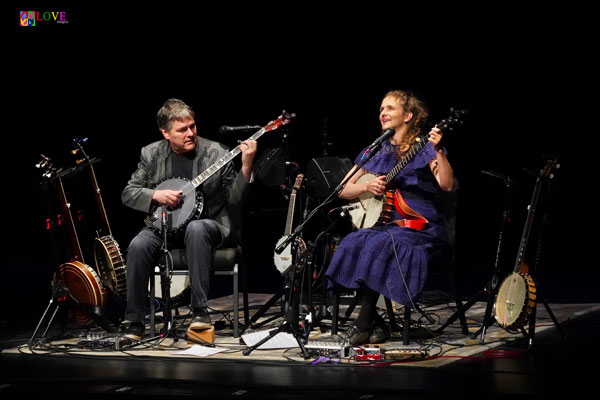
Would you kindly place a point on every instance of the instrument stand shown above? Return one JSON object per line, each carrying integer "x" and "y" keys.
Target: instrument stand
{"x": 310, "y": 248}
{"x": 60, "y": 294}
{"x": 285, "y": 288}
{"x": 290, "y": 323}
{"x": 530, "y": 334}
{"x": 491, "y": 287}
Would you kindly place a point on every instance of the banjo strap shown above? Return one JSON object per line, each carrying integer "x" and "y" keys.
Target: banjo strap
{"x": 412, "y": 219}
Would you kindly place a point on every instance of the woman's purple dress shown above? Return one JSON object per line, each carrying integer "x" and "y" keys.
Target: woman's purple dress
{"x": 367, "y": 256}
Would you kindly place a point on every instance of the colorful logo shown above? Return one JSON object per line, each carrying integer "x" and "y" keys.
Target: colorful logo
{"x": 29, "y": 18}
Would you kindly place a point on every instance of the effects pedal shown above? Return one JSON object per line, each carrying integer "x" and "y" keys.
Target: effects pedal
{"x": 326, "y": 348}
{"x": 404, "y": 354}
{"x": 366, "y": 353}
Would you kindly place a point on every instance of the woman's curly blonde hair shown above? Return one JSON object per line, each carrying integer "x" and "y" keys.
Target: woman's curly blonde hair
{"x": 410, "y": 103}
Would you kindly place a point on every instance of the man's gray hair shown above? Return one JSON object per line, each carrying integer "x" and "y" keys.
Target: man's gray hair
{"x": 173, "y": 110}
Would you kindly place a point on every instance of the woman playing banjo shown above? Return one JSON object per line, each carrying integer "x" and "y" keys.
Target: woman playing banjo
{"x": 392, "y": 259}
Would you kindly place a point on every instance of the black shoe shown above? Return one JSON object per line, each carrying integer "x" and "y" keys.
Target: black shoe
{"x": 354, "y": 337}
{"x": 135, "y": 331}
{"x": 379, "y": 334}
{"x": 200, "y": 319}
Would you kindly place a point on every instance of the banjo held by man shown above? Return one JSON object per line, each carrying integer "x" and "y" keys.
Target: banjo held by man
{"x": 191, "y": 203}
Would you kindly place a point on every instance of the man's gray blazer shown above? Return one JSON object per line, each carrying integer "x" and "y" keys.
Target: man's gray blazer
{"x": 224, "y": 192}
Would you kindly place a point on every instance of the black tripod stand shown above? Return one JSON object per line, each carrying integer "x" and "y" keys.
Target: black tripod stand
{"x": 491, "y": 287}
{"x": 285, "y": 291}
{"x": 61, "y": 301}
{"x": 290, "y": 323}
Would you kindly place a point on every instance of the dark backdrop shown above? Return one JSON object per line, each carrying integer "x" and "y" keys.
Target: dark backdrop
{"x": 524, "y": 74}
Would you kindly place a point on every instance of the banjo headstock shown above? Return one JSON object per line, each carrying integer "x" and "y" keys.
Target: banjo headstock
{"x": 283, "y": 119}
{"x": 49, "y": 171}
{"x": 455, "y": 118}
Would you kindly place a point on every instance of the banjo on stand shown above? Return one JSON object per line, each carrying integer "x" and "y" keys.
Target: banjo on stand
{"x": 517, "y": 295}
{"x": 110, "y": 263}
{"x": 285, "y": 259}
{"x": 191, "y": 204}
{"x": 368, "y": 210}
{"x": 84, "y": 286}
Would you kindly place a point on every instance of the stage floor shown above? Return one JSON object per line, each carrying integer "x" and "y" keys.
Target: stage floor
{"x": 503, "y": 365}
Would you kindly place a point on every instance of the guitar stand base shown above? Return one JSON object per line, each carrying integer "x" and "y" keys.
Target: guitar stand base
{"x": 284, "y": 327}
{"x": 530, "y": 335}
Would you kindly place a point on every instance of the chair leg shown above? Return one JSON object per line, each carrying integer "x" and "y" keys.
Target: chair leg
{"x": 236, "y": 303}
{"x": 459, "y": 306}
{"x": 244, "y": 279}
{"x": 152, "y": 305}
{"x": 406, "y": 332}
{"x": 391, "y": 314}
{"x": 335, "y": 312}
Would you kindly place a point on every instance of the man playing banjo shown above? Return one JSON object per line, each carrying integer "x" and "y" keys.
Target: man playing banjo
{"x": 182, "y": 154}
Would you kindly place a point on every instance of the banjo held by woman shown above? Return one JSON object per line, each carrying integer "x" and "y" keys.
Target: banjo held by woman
{"x": 517, "y": 295}
{"x": 368, "y": 210}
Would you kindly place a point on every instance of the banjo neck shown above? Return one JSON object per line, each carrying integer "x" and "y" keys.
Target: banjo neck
{"x": 421, "y": 141}
{"x": 520, "y": 265}
{"x": 292, "y": 206}
{"x": 50, "y": 173}
{"x": 66, "y": 211}
{"x": 180, "y": 216}
{"x": 210, "y": 171}
{"x": 455, "y": 118}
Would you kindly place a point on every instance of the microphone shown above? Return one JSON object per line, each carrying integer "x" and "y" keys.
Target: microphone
{"x": 345, "y": 208}
{"x": 232, "y": 129}
{"x": 386, "y": 134}
{"x": 506, "y": 179}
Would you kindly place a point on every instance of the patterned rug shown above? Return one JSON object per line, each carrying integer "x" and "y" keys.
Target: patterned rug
{"x": 427, "y": 347}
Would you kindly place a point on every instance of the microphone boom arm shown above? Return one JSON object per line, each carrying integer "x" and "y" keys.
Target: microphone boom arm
{"x": 371, "y": 150}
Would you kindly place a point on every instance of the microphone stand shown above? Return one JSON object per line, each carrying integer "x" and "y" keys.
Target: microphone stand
{"x": 369, "y": 153}
{"x": 290, "y": 318}
{"x": 165, "y": 279}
